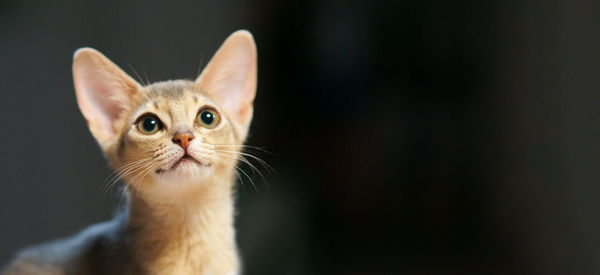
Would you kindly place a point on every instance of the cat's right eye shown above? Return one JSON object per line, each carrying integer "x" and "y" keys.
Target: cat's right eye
{"x": 149, "y": 124}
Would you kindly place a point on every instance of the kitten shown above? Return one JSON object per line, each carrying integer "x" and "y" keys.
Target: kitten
{"x": 175, "y": 144}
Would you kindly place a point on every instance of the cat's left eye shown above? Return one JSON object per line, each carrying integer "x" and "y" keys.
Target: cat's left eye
{"x": 149, "y": 124}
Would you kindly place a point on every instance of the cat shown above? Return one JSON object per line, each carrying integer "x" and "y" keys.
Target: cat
{"x": 175, "y": 144}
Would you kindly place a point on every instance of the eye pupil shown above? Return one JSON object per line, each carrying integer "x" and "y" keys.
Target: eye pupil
{"x": 149, "y": 124}
{"x": 207, "y": 117}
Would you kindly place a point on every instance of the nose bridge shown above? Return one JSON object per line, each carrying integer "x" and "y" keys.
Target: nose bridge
{"x": 182, "y": 133}
{"x": 179, "y": 115}
{"x": 181, "y": 127}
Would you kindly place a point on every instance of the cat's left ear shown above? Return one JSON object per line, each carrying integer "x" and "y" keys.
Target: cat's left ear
{"x": 104, "y": 92}
{"x": 230, "y": 78}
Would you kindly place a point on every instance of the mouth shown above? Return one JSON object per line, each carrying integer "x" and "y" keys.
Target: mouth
{"x": 186, "y": 160}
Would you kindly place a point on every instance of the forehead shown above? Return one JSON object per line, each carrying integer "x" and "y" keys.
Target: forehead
{"x": 173, "y": 92}
{"x": 173, "y": 89}
{"x": 171, "y": 96}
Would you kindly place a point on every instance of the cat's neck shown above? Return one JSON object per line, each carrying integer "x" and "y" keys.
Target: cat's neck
{"x": 189, "y": 235}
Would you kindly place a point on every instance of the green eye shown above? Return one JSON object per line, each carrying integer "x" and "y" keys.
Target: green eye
{"x": 149, "y": 124}
{"x": 208, "y": 118}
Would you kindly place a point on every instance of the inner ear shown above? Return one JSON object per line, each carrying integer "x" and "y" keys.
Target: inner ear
{"x": 104, "y": 92}
{"x": 230, "y": 77}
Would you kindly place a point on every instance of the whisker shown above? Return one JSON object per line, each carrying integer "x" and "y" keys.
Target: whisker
{"x": 120, "y": 173}
{"x": 262, "y": 149}
{"x": 252, "y": 167}
{"x": 136, "y": 185}
{"x": 136, "y": 181}
{"x": 126, "y": 166}
{"x": 137, "y": 75}
{"x": 241, "y": 181}
{"x": 251, "y": 181}
{"x": 130, "y": 181}
{"x": 117, "y": 171}
{"x": 242, "y": 159}
{"x": 262, "y": 162}
{"x": 146, "y": 75}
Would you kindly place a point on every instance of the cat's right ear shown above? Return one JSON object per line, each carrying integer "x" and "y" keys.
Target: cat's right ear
{"x": 103, "y": 90}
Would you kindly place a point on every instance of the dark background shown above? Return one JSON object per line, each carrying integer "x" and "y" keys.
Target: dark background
{"x": 407, "y": 136}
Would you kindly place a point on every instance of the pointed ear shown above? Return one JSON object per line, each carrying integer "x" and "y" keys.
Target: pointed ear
{"x": 230, "y": 78}
{"x": 103, "y": 92}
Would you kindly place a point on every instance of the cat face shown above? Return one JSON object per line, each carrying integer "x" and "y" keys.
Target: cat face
{"x": 178, "y": 134}
{"x": 174, "y": 132}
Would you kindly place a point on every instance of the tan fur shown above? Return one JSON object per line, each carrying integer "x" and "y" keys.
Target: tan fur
{"x": 181, "y": 221}
{"x": 185, "y": 226}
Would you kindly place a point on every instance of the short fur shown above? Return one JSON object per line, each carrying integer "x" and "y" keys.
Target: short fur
{"x": 179, "y": 218}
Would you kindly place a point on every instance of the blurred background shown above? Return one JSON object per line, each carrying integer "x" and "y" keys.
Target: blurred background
{"x": 408, "y": 136}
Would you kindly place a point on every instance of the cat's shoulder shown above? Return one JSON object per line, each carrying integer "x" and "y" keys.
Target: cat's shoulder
{"x": 82, "y": 253}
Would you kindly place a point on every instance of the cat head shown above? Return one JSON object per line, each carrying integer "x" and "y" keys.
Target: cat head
{"x": 173, "y": 132}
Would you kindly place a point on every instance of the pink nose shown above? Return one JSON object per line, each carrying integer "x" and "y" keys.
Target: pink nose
{"x": 183, "y": 139}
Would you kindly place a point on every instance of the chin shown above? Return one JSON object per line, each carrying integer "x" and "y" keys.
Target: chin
{"x": 185, "y": 171}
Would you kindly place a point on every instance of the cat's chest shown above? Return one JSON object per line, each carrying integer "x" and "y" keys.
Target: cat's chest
{"x": 197, "y": 261}
{"x": 186, "y": 240}
{"x": 200, "y": 254}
